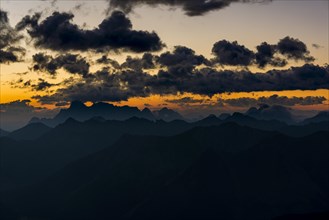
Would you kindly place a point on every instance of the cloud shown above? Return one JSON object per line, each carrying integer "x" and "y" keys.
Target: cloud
{"x": 181, "y": 56}
{"x": 234, "y": 54}
{"x": 33, "y": 85}
{"x": 317, "y": 46}
{"x": 180, "y": 61}
{"x": 8, "y": 38}
{"x": 72, "y": 63}
{"x": 265, "y": 56}
{"x": 209, "y": 81}
{"x": 102, "y": 86}
{"x": 231, "y": 53}
{"x": 58, "y": 33}
{"x": 17, "y": 113}
{"x": 121, "y": 85}
{"x": 190, "y": 7}
{"x": 294, "y": 49}
{"x": 185, "y": 101}
{"x": 42, "y": 85}
{"x": 61, "y": 104}
{"x": 146, "y": 62}
{"x": 273, "y": 100}
{"x": 108, "y": 61}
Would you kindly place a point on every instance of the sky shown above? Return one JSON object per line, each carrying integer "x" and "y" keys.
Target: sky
{"x": 196, "y": 56}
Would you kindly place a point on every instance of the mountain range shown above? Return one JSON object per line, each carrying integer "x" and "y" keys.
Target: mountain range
{"x": 233, "y": 167}
{"x": 79, "y": 111}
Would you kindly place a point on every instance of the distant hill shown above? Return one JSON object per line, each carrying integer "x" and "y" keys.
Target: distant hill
{"x": 51, "y": 149}
{"x": 167, "y": 115}
{"x": 81, "y": 112}
{"x": 320, "y": 117}
{"x": 275, "y": 112}
{"x": 29, "y": 132}
{"x": 3, "y": 133}
{"x": 217, "y": 172}
{"x": 71, "y": 140}
{"x": 250, "y": 121}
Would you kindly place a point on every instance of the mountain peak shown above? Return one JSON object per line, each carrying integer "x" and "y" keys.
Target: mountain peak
{"x": 320, "y": 117}
{"x": 71, "y": 120}
{"x": 146, "y": 110}
{"x": 77, "y": 105}
{"x": 167, "y": 114}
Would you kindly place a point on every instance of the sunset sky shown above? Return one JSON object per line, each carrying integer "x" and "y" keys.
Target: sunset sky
{"x": 197, "y": 56}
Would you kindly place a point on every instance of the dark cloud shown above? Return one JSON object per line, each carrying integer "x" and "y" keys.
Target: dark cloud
{"x": 191, "y": 7}
{"x": 57, "y": 32}
{"x": 274, "y": 100}
{"x": 10, "y": 55}
{"x": 234, "y": 54}
{"x": 146, "y": 62}
{"x": 8, "y": 38}
{"x": 265, "y": 56}
{"x": 102, "y": 86}
{"x": 72, "y": 63}
{"x": 182, "y": 56}
{"x": 42, "y": 85}
{"x": 122, "y": 85}
{"x": 33, "y": 85}
{"x": 27, "y": 21}
{"x": 108, "y": 61}
{"x": 294, "y": 49}
{"x": 185, "y": 101}
{"x": 61, "y": 104}
{"x": 231, "y": 53}
{"x": 210, "y": 81}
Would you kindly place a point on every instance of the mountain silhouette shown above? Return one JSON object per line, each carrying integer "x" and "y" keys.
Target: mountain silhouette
{"x": 224, "y": 116}
{"x": 237, "y": 167}
{"x": 275, "y": 112}
{"x": 167, "y": 114}
{"x": 246, "y": 120}
{"x": 71, "y": 140}
{"x": 40, "y": 151}
{"x": 260, "y": 183}
{"x": 320, "y": 117}
{"x": 29, "y": 132}
{"x": 3, "y": 133}
{"x": 227, "y": 171}
{"x": 79, "y": 111}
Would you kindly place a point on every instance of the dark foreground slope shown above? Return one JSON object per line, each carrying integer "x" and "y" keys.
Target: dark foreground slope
{"x": 36, "y": 151}
{"x": 217, "y": 172}
{"x": 25, "y": 162}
